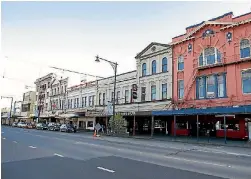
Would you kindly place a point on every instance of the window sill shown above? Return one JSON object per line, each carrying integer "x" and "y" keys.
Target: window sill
{"x": 179, "y": 71}
{"x": 211, "y": 98}
{"x": 210, "y": 66}
{"x": 244, "y": 58}
{"x": 246, "y": 93}
{"x": 153, "y": 74}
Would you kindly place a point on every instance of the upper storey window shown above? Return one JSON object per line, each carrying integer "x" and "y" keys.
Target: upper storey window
{"x": 144, "y": 69}
{"x": 164, "y": 64}
{"x": 180, "y": 63}
{"x": 245, "y": 48}
{"x": 210, "y": 56}
{"x": 154, "y": 67}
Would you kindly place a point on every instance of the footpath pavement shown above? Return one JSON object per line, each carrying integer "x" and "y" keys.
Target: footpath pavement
{"x": 189, "y": 140}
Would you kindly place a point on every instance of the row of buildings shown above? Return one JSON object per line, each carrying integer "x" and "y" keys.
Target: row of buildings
{"x": 191, "y": 86}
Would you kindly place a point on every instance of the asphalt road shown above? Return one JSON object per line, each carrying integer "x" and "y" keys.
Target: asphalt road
{"x": 37, "y": 154}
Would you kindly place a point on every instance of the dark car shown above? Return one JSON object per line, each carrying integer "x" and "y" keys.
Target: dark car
{"x": 41, "y": 126}
{"x": 53, "y": 127}
{"x": 67, "y": 128}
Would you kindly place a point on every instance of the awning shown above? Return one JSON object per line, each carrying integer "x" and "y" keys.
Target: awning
{"x": 205, "y": 111}
{"x": 72, "y": 115}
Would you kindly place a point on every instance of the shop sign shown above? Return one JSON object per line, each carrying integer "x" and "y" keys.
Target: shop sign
{"x": 125, "y": 113}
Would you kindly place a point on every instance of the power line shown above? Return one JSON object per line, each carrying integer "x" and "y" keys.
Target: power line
{"x": 57, "y": 68}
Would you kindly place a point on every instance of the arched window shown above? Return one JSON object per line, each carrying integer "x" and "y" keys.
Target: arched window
{"x": 164, "y": 64}
{"x": 180, "y": 63}
{"x": 245, "y": 48}
{"x": 144, "y": 69}
{"x": 154, "y": 67}
{"x": 209, "y": 56}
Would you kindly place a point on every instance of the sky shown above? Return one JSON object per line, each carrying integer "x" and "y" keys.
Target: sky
{"x": 69, "y": 35}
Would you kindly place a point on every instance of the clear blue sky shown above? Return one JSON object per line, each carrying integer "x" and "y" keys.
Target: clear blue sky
{"x": 70, "y": 34}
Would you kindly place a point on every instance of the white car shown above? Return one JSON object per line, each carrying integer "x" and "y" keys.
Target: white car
{"x": 21, "y": 125}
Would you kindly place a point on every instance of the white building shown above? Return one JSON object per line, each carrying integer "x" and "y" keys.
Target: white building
{"x": 80, "y": 102}
{"x": 154, "y": 76}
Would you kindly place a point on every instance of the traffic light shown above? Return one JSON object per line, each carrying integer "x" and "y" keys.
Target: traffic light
{"x": 134, "y": 91}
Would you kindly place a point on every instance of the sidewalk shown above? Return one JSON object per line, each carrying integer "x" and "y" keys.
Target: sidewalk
{"x": 183, "y": 139}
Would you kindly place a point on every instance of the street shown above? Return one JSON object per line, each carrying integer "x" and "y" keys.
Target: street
{"x": 44, "y": 154}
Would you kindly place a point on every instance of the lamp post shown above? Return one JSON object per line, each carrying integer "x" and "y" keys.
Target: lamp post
{"x": 114, "y": 66}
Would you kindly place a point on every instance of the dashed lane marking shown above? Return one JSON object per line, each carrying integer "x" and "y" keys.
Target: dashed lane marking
{"x": 15, "y": 141}
{"x": 32, "y": 147}
{"x": 58, "y": 155}
{"x": 3, "y": 138}
{"x": 105, "y": 169}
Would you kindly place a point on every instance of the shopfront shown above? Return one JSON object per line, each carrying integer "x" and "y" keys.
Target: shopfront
{"x": 219, "y": 122}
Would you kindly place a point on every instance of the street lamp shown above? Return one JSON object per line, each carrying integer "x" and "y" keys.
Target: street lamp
{"x": 114, "y": 66}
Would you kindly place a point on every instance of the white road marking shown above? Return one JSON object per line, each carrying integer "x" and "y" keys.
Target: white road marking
{"x": 3, "y": 138}
{"x": 222, "y": 152}
{"x": 32, "y": 147}
{"x": 58, "y": 155}
{"x": 2, "y": 132}
{"x": 105, "y": 169}
{"x": 15, "y": 141}
{"x": 195, "y": 161}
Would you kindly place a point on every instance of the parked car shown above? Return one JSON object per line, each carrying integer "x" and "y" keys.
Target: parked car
{"x": 21, "y": 124}
{"x": 14, "y": 124}
{"x": 41, "y": 126}
{"x": 31, "y": 126}
{"x": 67, "y": 128}
{"x": 53, "y": 127}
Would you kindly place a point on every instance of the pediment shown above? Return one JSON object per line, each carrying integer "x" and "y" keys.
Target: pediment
{"x": 152, "y": 48}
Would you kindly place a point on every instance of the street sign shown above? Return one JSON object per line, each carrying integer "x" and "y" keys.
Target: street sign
{"x": 98, "y": 127}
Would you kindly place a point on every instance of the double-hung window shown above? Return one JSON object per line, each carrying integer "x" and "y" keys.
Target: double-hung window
{"x": 144, "y": 69}
{"x": 181, "y": 89}
{"x": 213, "y": 86}
{"x": 246, "y": 81}
{"x": 164, "y": 64}
{"x": 103, "y": 98}
{"x": 154, "y": 67}
{"x": 164, "y": 91}
{"x": 126, "y": 96}
{"x": 118, "y": 97}
{"x": 210, "y": 86}
{"x": 153, "y": 92}
{"x": 143, "y": 94}
{"x": 210, "y": 56}
{"x": 99, "y": 99}
{"x": 245, "y": 48}
{"x": 180, "y": 63}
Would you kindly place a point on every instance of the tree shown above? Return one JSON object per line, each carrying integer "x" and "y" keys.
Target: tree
{"x": 118, "y": 125}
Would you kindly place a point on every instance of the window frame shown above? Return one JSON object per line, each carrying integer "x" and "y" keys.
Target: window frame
{"x": 249, "y": 48}
{"x": 164, "y": 64}
{"x": 127, "y": 97}
{"x": 143, "y": 94}
{"x": 154, "y": 67}
{"x": 162, "y": 92}
{"x": 143, "y": 69}
{"x": 244, "y": 70}
{"x": 118, "y": 96}
{"x": 179, "y": 63}
{"x": 179, "y": 90}
{"x": 204, "y": 60}
{"x": 153, "y": 93}
{"x": 207, "y": 77}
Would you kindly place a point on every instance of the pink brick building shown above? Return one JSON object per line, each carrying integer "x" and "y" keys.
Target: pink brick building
{"x": 212, "y": 72}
